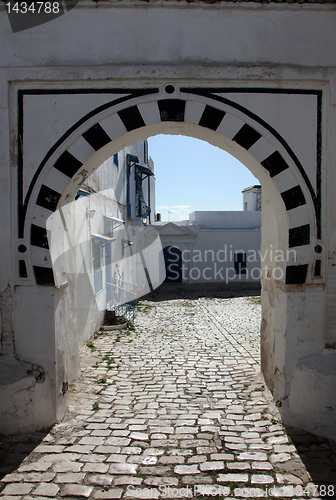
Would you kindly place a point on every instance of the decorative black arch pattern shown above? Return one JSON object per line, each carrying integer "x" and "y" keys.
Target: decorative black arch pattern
{"x": 210, "y": 115}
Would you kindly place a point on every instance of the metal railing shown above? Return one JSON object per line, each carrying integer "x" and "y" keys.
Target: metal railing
{"x": 121, "y": 297}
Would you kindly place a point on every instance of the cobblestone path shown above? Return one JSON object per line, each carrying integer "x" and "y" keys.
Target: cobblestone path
{"x": 176, "y": 408}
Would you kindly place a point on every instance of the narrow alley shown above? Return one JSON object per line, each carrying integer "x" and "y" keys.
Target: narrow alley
{"x": 175, "y": 408}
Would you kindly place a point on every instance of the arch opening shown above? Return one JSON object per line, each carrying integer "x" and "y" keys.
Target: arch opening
{"x": 290, "y": 222}
{"x": 275, "y": 218}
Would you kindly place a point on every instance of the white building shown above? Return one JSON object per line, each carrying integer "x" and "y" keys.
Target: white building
{"x": 252, "y": 198}
{"x": 215, "y": 246}
{"x": 99, "y": 250}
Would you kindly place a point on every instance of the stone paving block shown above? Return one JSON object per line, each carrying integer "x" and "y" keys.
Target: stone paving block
{"x": 161, "y": 481}
{"x": 70, "y": 477}
{"x": 131, "y": 450}
{"x": 118, "y": 441}
{"x": 96, "y": 467}
{"x": 123, "y": 468}
{"x": 47, "y": 490}
{"x": 236, "y": 446}
{"x": 97, "y": 426}
{"x": 232, "y": 478}
{"x": 142, "y": 459}
{"x": 255, "y": 456}
{"x": 35, "y": 477}
{"x": 154, "y": 451}
{"x": 214, "y": 465}
{"x": 159, "y": 470}
{"x": 78, "y": 490}
{"x": 9, "y": 497}
{"x": 99, "y": 479}
{"x": 128, "y": 480}
{"x": 92, "y": 457}
{"x": 238, "y": 466}
{"x": 91, "y": 440}
{"x": 186, "y": 469}
{"x": 262, "y": 466}
{"x": 40, "y": 466}
{"x": 141, "y": 436}
{"x": 205, "y": 450}
{"x": 17, "y": 489}
{"x": 197, "y": 479}
{"x": 111, "y": 494}
{"x": 261, "y": 479}
{"x": 48, "y": 448}
{"x": 80, "y": 448}
{"x": 197, "y": 459}
{"x": 120, "y": 433}
{"x": 193, "y": 443}
{"x": 159, "y": 443}
{"x": 277, "y": 440}
{"x": 279, "y": 457}
{"x": 283, "y": 448}
{"x": 13, "y": 478}
{"x": 222, "y": 456}
{"x": 107, "y": 449}
{"x": 171, "y": 460}
{"x": 115, "y": 457}
{"x": 67, "y": 467}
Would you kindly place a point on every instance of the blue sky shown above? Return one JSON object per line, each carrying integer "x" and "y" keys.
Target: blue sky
{"x": 194, "y": 175}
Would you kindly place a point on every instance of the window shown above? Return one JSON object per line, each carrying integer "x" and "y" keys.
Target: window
{"x": 240, "y": 262}
{"x": 141, "y": 207}
{"x": 98, "y": 254}
{"x": 116, "y": 160}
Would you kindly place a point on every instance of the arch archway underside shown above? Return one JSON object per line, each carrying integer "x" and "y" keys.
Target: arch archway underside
{"x": 297, "y": 196}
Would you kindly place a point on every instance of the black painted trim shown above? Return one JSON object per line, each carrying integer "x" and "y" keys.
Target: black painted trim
{"x": 131, "y": 118}
{"x": 246, "y": 136}
{"x": 38, "y": 236}
{"x": 23, "y": 269}
{"x": 96, "y": 137}
{"x": 293, "y": 197}
{"x": 23, "y": 204}
{"x": 211, "y": 117}
{"x": 211, "y": 93}
{"x": 299, "y": 236}
{"x": 172, "y": 110}
{"x": 133, "y": 93}
{"x": 68, "y": 164}
{"x": 275, "y": 164}
{"x": 48, "y": 198}
{"x": 296, "y": 275}
{"x": 44, "y": 276}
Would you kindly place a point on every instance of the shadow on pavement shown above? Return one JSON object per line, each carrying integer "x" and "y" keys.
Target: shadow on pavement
{"x": 174, "y": 291}
{"x": 14, "y": 449}
{"x": 319, "y": 457}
